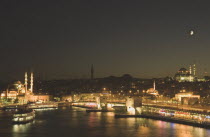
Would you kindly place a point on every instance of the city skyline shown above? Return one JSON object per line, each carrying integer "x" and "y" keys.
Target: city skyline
{"x": 191, "y": 69}
{"x": 108, "y": 68}
{"x": 62, "y": 39}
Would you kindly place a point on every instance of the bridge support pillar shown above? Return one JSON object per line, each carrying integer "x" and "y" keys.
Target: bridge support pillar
{"x": 98, "y": 102}
{"x": 101, "y": 102}
{"x": 133, "y": 105}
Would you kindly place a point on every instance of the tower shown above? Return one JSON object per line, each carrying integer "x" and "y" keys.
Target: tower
{"x": 190, "y": 69}
{"x": 26, "y": 82}
{"x": 191, "y": 74}
{"x": 32, "y": 81}
{"x": 92, "y": 72}
{"x": 194, "y": 70}
{"x": 154, "y": 86}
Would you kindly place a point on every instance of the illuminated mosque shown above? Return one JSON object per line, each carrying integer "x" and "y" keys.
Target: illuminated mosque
{"x": 23, "y": 93}
{"x": 183, "y": 75}
{"x": 153, "y": 91}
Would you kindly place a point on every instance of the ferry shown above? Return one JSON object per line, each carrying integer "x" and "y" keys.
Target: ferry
{"x": 23, "y": 115}
{"x": 43, "y": 105}
{"x": 10, "y": 108}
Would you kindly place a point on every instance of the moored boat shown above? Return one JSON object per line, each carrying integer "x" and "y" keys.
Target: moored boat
{"x": 23, "y": 115}
{"x": 43, "y": 105}
{"x": 10, "y": 108}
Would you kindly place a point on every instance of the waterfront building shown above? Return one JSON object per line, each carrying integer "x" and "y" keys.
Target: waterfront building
{"x": 14, "y": 89}
{"x": 187, "y": 98}
{"x": 67, "y": 98}
{"x": 20, "y": 92}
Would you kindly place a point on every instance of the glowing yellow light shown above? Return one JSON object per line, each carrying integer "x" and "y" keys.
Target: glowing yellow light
{"x": 191, "y": 32}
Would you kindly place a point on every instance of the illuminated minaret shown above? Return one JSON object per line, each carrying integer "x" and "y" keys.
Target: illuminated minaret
{"x": 32, "y": 81}
{"x": 92, "y": 72}
{"x": 190, "y": 73}
{"x": 26, "y": 82}
{"x": 154, "y": 86}
{"x": 190, "y": 69}
{"x": 194, "y": 69}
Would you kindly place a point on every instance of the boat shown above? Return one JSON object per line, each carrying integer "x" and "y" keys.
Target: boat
{"x": 10, "y": 108}
{"x": 43, "y": 105}
{"x": 23, "y": 115}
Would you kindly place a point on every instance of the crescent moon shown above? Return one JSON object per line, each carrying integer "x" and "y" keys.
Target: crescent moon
{"x": 191, "y": 32}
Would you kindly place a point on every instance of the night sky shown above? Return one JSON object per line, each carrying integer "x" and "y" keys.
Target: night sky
{"x": 61, "y": 39}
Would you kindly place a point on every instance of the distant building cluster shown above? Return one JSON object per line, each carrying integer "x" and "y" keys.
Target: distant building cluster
{"x": 184, "y": 75}
{"x": 184, "y": 81}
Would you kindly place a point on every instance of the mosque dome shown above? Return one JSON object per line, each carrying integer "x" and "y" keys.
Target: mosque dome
{"x": 183, "y": 75}
{"x": 183, "y": 70}
{"x": 15, "y": 86}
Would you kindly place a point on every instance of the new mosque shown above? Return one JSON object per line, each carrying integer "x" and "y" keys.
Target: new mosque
{"x": 24, "y": 92}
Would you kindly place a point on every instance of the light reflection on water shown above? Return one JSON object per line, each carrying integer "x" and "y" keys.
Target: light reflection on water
{"x": 72, "y": 122}
{"x": 21, "y": 128}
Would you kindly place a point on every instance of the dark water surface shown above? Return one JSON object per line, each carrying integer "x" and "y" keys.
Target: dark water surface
{"x": 75, "y": 122}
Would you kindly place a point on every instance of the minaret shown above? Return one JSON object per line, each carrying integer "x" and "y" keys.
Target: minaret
{"x": 154, "y": 86}
{"x": 32, "y": 81}
{"x": 190, "y": 73}
{"x": 190, "y": 69}
{"x": 26, "y": 82}
{"x": 194, "y": 69}
{"x": 92, "y": 72}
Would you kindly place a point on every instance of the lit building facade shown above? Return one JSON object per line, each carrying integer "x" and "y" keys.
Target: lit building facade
{"x": 13, "y": 90}
{"x": 21, "y": 92}
{"x": 187, "y": 98}
{"x": 152, "y": 91}
{"x": 183, "y": 75}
